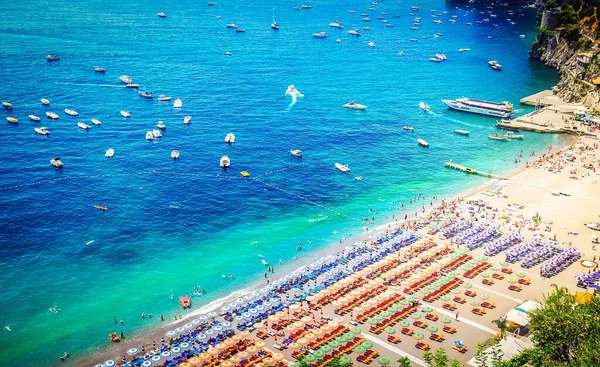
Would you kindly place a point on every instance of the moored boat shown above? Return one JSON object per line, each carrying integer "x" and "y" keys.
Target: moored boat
{"x": 175, "y": 154}
{"x": 423, "y": 143}
{"x": 7, "y": 105}
{"x": 185, "y": 302}
{"x": 512, "y": 135}
{"x": 83, "y": 126}
{"x": 161, "y": 125}
{"x": 109, "y": 153}
{"x": 232, "y": 25}
{"x": 320, "y": 35}
{"x": 423, "y": 106}
{"x": 187, "y": 119}
{"x": 148, "y": 95}
{"x": 342, "y": 167}
{"x": 163, "y": 98}
{"x": 51, "y": 115}
{"x": 156, "y": 134}
{"x": 125, "y": 79}
{"x": 99, "y": 69}
{"x": 498, "y": 137}
{"x": 45, "y": 102}
{"x": 132, "y": 86}
{"x": 12, "y": 120}
{"x": 177, "y": 103}
{"x": 162, "y": 15}
{"x": 34, "y": 118}
{"x": 230, "y": 138}
{"x": 355, "y": 106}
{"x": 245, "y": 174}
{"x": 125, "y": 114}
{"x": 96, "y": 122}
{"x": 296, "y": 153}
{"x": 52, "y": 57}
{"x": 506, "y": 124}
{"x": 478, "y": 106}
{"x": 225, "y": 162}
{"x": 71, "y": 112}
{"x": 149, "y": 135}
{"x": 336, "y": 24}
{"x": 408, "y": 128}
{"x": 41, "y": 130}
{"x": 56, "y": 162}
{"x": 462, "y": 132}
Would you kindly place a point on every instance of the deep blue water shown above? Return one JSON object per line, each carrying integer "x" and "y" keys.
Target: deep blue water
{"x": 175, "y": 224}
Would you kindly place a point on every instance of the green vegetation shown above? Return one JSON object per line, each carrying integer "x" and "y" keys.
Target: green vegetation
{"x": 335, "y": 362}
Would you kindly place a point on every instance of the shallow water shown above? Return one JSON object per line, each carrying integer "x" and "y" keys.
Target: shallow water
{"x": 175, "y": 224}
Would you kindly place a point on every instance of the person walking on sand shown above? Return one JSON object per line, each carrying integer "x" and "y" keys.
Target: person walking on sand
{"x": 456, "y": 317}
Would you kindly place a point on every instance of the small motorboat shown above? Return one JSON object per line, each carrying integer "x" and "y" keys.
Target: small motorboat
{"x": 505, "y": 124}
{"x": 342, "y": 167}
{"x": 296, "y": 153}
{"x": 132, "y": 86}
{"x": 149, "y": 135}
{"x": 366, "y": 19}
{"x": 388, "y": 24}
{"x": 354, "y": 32}
{"x": 274, "y": 25}
{"x": 162, "y": 15}
{"x": 125, "y": 114}
{"x": 228, "y": 53}
{"x": 175, "y": 154}
{"x": 464, "y": 49}
{"x": 320, "y": 35}
{"x": 45, "y": 102}
{"x": 367, "y": 28}
{"x": 161, "y": 125}
{"x": 244, "y": 174}
{"x": 462, "y": 132}
{"x": 12, "y": 120}
{"x": 98, "y": 69}
{"x": 7, "y": 105}
{"x": 148, "y": 95}
{"x": 185, "y": 302}
{"x": 306, "y": 6}
{"x": 358, "y": 178}
{"x": 71, "y": 112}
{"x": 224, "y": 162}
{"x": 371, "y": 44}
{"x": 34, "y": 118}
{"x": 156, "y": 134}
{"x": 125, "y": 79}
{"x": 187, "y": 119}
{"x": 177, "y": 103}
{"x": 51, "y": 115}
{"x": 52, "y": 57}
{"x": 41, "y": 130}
{"x": 56, "y": 162}
{"x": 84, "y": 126}
{"x": 230, "y": 138}
{"x": 101, "y": 207}
{"x": 512, "y": 135}
{"x": 355, "y": 106}
{"x": 336, "y": 24}
{"x": 423, "y": 143}
{"x": 498, "y": 137}
{"x": 338, "y": 40}
{"x": 109, "y": 153}
{"x": 424, "y": 107}
{"x": 96, "y": 122}
{"x": 211, "y": 4}
{"x": 163, "y": 98}
{"x": 232, "y": 25}
{"x": 240, "y": 31}
{"x": 408, "y": 128}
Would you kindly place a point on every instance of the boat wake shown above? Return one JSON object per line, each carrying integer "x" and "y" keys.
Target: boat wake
{"x": 91, "y": 85}
{"x": 454, "y": 120}
{"x": 318, "y": 219}
{"x": 294, "y": 93}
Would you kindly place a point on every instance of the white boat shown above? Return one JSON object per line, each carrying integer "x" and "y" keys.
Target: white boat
{"x": 355, "y": 106}
{"x": 45, "y": 102}
{"x": 228, "y": 53}
{"x": 464, "y": 49}
{"x": 338, "y": 40}
{"x": 371, "y": 44}
{"x": 109, "y": 153}
{"x": 498, "y": 137}
{"x": 187, "y": 119}
{"x": 342, "y": 167}
{"x": 125, "y": 114}
{"x": 462, "y": 132}
{"x": 51, "y": 115}
{"x": 423, "y": 143}
{"x": 512, "y": 135}
{"x": 358, "y": 178}
{"x": 408, "y": 128}
{"x": 96, "y": 122}
{"x": 41, "y": 130}
{"x": 161, "y": 125}
{"x": 224, "y": 162}
{"x": 367, "y": 28}
{"x": 175, "y": 154}
{"x": 99, "y": 69}
{"x": 71, "y": 112}
{"x": 162, "y": 15}
{"x": 132, "y": 86}
{"x": 56, "y": 162}
{"x": 435, "y": 59}
{"x": 495, "y": 65}
{"x": 230, "y": 138}
{"x": 478, "y": 106}
{"x": 163, "y": 98}
{"x": 52, "y": 57}
{"x": 354, "y": 32}
{"x": 232, "y": 25}
{"x": 424, "y": 107}
{"x": 336, "y": 24}
{"x": 83, "y": 125}
{"x": 296, "y": 153}
{"x": 177, "y": 103}
{"x": 441, "y": 57}
{"x": 34, "y": 118}
{"x": 125, "y": 79}
{"x": 149, "y": 135}
{"x": 320, "y": 35}
{"x": 156, "y": 134}
{"x": 148, "y": 95}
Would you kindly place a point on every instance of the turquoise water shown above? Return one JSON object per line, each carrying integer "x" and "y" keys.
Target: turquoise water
{"x": 172, "y": 225}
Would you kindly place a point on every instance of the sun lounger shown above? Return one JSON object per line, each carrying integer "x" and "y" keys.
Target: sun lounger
{"x": 422, "y": 346}
{"x": 515, "y": 287}
{"x": 449, "y": 329}
{"x": 460, "y": 300}
{"x": 393, "y": 339}
{"x": 420, "y": 324}
{"x": 407, "y": 331}
{"x": 498, "y": 276}
{"x": 487, "y": 281}
{"x": 525, "y": 281}
{"x": 437, "y": 337}
{"x": 470, "y": 293}
{"x": 488, "y": 304}
{"x": 462, "y": 349}
{"x": 507, "y": 270}
{"x": 431, "y": 317}
{"x": 478, "y": 311}
{"x": 449, "y": 306}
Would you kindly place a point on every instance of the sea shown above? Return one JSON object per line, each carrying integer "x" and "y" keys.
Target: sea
{"x": 172, "y": 225}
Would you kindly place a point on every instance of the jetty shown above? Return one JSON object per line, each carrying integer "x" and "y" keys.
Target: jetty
{"x": 472, "y": 171}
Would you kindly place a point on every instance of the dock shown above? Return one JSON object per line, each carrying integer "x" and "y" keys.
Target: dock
{"x": 472, "y": 171}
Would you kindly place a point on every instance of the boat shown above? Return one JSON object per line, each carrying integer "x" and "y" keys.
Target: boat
{"x": 230, "y": 138}
{"x": 245, "y": 174}
{"x": 306, "y": 6}
{"x": 358, "y": 178}
{"x": 296, "y": 153}
{"x": 185, "y": 302}
{"x": 175, "y": 154}
{"x": 367, "y": 28}
{"x": 99, "y": 69}
{"x": 371, "y": 44}
{"x": 452, "y": 20}
{"x": 495, "y": 65}
{"x": 34, "y": 118}
{"x": 478, "y": 106}
{"x": 149, "y": 135}
{"x": 354, "y": 32}
{"x": 264, "y": 262}
{"x": 366, "y": 19}
{"x": 156, "y": 134}
{"x": 468, "y": 23}
{"x": 12, "y": 120}
{"x": 296, "y": 8}
{"x": 149, "y": 95}
{"x": 51, "y": 115}
{"x": 56, "y": 162}
{"x": 187, "y": 119}
{"x": 7, "y": 105}
{"x": 163, "y": 98}
{"x": 96, "y": 122}
{"x": 441, "y": 57}
{"x": 52, "y": 57}
{"x": 41, "y": 130}
{"x": 389, "y": 25}
{"x": 83, "y": 125}
{"x": 125, "y": 114}
{"x": 177, "y": 103}
{"x": 464, "y": 49}
{"x": 132, "y": 86}
{"x": 45, "y": 102}
{"x": 435, "y": 59}
{"x": 71, "y": 112}
{"x": 274, "y": 25}
{"x": 240, "y": 31}
{"x": 424, "y": 107}
{"x": 161, "y": 125}
{"x": 506, "y": 125}
{"x": 408, "y": 128}
{"x": 498, "y": 137}
{"x": 232, "y": 25}
{"x": 125, "y": 79}
{"x": 228, "y": 53}
{"x": 224, "y": 162}
{"x": 336, "y": 24}
{"x": 101, "y": 207}
{"x": 109, "y": 153}
{"x": 211, "y": 4}
{"x": 320, "y": 35}
{"x": 414, "y": 40}
{"x": 423, "y": 143}
{"x": 342, "y": 167}
{"x": 355, "y": 106}
{"x": 338, "y": 40}
{"x": 512, "y": 135}
{"x": 462, "y": 132}
{"x": 162, "y": 15}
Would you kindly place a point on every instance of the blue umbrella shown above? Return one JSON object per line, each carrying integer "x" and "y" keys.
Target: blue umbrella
{"x": 165, "y": 354}
{"x": 175, "y": 350}
{"x": 226, "y": 324}
{"x": 202, "y": 337}
{"x": 109, "y": 363}
{"x": 146, "y": 363}
{"x": 195, "y": 321}
{"x": 180, "y": 329}
{"x": 171, "y": 333}
{"x": 132, "y": 351}
{"x": 156, "y": 358}
{"x": 189, "y": 325}
{"x": 184, "y": 345}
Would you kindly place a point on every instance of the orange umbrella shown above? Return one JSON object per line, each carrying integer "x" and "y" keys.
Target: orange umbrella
{"x": 259, "y": 325}
{"x": 245, "y": 333}
{"x": 237, "y": 337}
{"x": 252, "y": 349}
{"x": 278, "y": 357}
{"x": 185, "y": 364}
{"x": 309, "y": 336}
{"x": 204, "y": 356}
{"x": 229, "y": 342}
{"x": 212, "y": 351}
{"x": 294, "y": 346}
{"x": 260, "y": 344}
{"x": 243, "y": 354}
{"x": 226, "y": 364}
{"x": 235, "y": 359}
{"x": 269, "y": 361}
{"x": 221, "y": 346}
{"x": 290, "y": 328}
{"x": 194, "y": 361}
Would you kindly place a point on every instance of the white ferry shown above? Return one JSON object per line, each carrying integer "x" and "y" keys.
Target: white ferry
{"x": 503, "y": 109}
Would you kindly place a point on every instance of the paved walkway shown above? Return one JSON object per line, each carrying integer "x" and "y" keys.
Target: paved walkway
{"x": 464, "y": 320}
{"x": 399, "y": 352}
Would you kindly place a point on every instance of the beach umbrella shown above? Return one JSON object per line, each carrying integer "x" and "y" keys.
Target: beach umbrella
{"x": 187, "y": 364}
{"x": 278, "y": 357}
{"x": 485, "y": 275}
{"x": 326, "y": 348}
{"x": 146, "y": 363}
{"x": 455, "y": 291}
{"x": 318, "y": 353}
{"x": 355, "y": 331}
{"x": 226, "y": 324}
{"x": 132, "y": 351}
{"x": 290, "y": 328}
{"x": 273, "y": 318}
{"x": 428, "y": 309}
{"x": 165, "y": 354}
{"x": 521, "y": 274}
{"x": 252, "y": 349}
{"x": 259, "y": 325}
{"x": 171, "y": 333}
{"x": 383, "y": 361}
{"x": 302, "y": 341}
{"x": 209, "y": 332}
{"x": 175, "y": 350}
{"x": 235, "y": 359}
{"x": 260, "y": 344}
{"x": 373, "y": 321}
{"x": 243, "y": 354}
{"x": 334, "y": 344}
{"x": 294, "y": 346}
{"x": 360, "y": 349}
{"x": 390, "y": 330}
{"x": 309, "y": 336}
{"x": 204, "y": 356}
{"x": 348, "y": 336}
{"x": 245, "y": 333}
{"x": 269, "y": 361}
{"x": 180, "y": 329}
{"x": 317, "y": 332}
{"x": 484, "y": 296}
{"x": 306, "y": 319}
{"x": 109, "y": 363}
{"x": 237, "y": 337}
{"x": 432, "y": 328}
{"x": 229, "y": 342}
{"x": 416, "y": 315}
{"x": 419, "y": 336}
{"x": 386, "y": 313}
{"x": 367, "y": 344}
{"x": 298, "y": 324}
{"x": 346, "y": 359}
{"x": 184, "y": 345}
{"x": 445, "y": 297}
{"x": 404, "y": 323}
{"x": 310, "y": 358}
{"x": 212, "y": 351}
{"x": 226, "y": 364}
{"x": 156, "y": 358}
{"x": 467, "y": 285}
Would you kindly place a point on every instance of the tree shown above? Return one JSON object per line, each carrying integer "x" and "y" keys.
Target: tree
{"x": 428, "y": 358}
{"x": 550, "y": 4}
{"x": 440, "y": 358}
{"x": 335, "y": 362}
{"x": 481, "y": 357}
{"x": 403, "y": 362}
{"x": 501, "y": 324}
{"x": 496, "y": 355}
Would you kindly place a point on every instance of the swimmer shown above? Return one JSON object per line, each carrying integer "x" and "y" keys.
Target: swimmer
{"x": 7, "y": 328}
{"x": 224, "y": 276}
{"x": 232, "y": 276}
{"x": 259, "y": 255}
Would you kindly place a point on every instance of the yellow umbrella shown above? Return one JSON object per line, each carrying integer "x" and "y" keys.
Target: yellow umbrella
{"x": 243, "y": 354}
{"x": 280, "y": 314}
{"x": 252, "y": 349}
{"x": 325, "y": 327}
{"x": 229, "y": 342}
{"x": 294, "y": 346}
{"x": 194, "y": 361}
{"x": 306, "y": 319}
{"x": 358, "y": 309}
{"x": 290, "y": 328}
{"x": 221, "y": 346}
{"x": 260, "y": 344}
{"x": 317, "y": 332}
{"x": 309, "y": 336}
{"x": 235, "y": 359}
{"x": 259, "y": 325}
{"x": 245, "y": 333}
{"x": 334, "y": 324}
{"x": 310, "y": 298}
{"x": 204, "y": 356}
{"x": 269, "y": 361}
{"x": 302, "y": 341}
{"x": 339, "y": 319}
{"x": 273, "y": 318}
{"x": 295, "y": 306}
{"x": 298, "y": 324}
{"x": 185, "y": 364}
{"x": 226, "y": 364}
{"x": 278, "y": 357}
{"x": 237, "y": 337}
{"x": 212, "y": 351}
